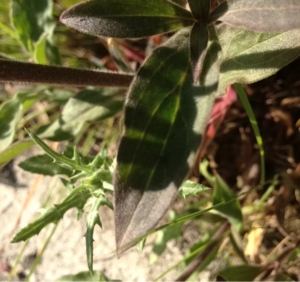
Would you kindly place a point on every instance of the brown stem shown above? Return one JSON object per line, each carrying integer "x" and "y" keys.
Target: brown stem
{"x": 13, "y": 71}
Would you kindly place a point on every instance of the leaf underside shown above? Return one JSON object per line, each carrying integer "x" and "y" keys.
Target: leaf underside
{"x": 163, "y": 130}
{"x": 264, "y": 16}
{"x": 126, "y": 19}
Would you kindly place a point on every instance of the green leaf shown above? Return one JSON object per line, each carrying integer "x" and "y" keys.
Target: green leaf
{"x": 191, "y": 188}
{"x": 200, "y": 9}
{"x": 264, "y": 16}
{"x": 14, "y": 150}
{"x": 231, "y": 210}
{"x": 10, "y": 114}
{"x": 96, "y": 276}
{"x": 77, "y": 198}
{"x": 32, "y": 19}
{"x": 92, "y": 220}
{"x": 61, "y": 159}
{"x": 86, "y": 106}
{"x": 165, "y": 118}
{"x": 241, "y": 273}
{"x": 198, "y": 44}
{"x": 131, "y": 18}
{"x": 44, "y": 165}
{"x": 251, "y": 56}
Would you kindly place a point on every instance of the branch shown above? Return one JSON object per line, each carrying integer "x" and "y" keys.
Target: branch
{"x": 13, "y": 71}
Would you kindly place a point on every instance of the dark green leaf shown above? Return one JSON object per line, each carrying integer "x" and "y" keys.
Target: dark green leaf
{"x": 165, "y": 118}
{"x": 95, "y": 276}
{"x": 10, "y": 114}
{"x": 77, "y": 198}
{"x": 131, "y": 18}
{"x": 241, "y": 273}
{"x": 231, "y": 210}
{"x": 252, "y": 56}
{"x": 86, "y": 106}
{"x": 32, "y": 19}
{"x": 44, "y": 165}
{"x": 264, "y": 16}
{"x": 198, "y": 44}
{"x": 200, "y": 9}
{"x": 14, "y": 150}
{"x": 191, "y": 188}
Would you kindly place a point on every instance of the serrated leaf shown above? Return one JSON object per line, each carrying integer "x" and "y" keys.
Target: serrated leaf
{"x": 14, "y": 150}
{"x": 43, "y": 164}
{"x": 93, "y": 219}
{"x": 251, "y": 56}
{"x": 163, "y": 130}
{"x": 241, "y": 273}
{"x": 96, "y": 276}
{"x": 32, "y": 19}
{"x": 263, "y": 16}
{"x": 86, "y": 106}
{"x": 191, "y": 188}
{"x": 123, "y": 19}
{"x": 77, "y": 198}
{"x": 231, "y": 210}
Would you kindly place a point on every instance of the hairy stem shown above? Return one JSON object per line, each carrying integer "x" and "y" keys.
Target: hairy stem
{"x": 13, "y": 71}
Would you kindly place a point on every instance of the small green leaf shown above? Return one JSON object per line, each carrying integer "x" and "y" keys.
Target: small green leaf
{"x": 163, "y": 130}
{"x": 77, "y": 198}
{"x": 86, "y": 106}
{"x": 95, "y": 276}
{"x": 130, "y": 18}
{"x": 32, "y": 19}
{"x": 241, "y": 273}
{"x": 60, "y": 158}
{"x": 251, "y": 56}
{"x": 264, "y": 16}
{"x": 44, "y": 165}
{"x": 10, "y": 114}
{"x": 191, "y": 188}
{"x": 232, "y": 210}
{"x": 93, "y": 219}
{"x": 14, "y": 150}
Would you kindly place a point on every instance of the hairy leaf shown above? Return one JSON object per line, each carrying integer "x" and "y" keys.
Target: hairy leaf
{"x": 32, "y": 19}
{"x": 165, "y": 118}
{"x": 131, "y": 18}
{"x": 43, "y": 164}
{"x": 86, "y": 106}
{"x": 264, "y": 16}
{"x": 251, "y": 56}
{"x": 77, "y": 198}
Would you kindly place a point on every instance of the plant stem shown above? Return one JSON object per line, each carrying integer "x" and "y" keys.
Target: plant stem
{"x": 245, "y": 101}
{"x": 13, "y": 71}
